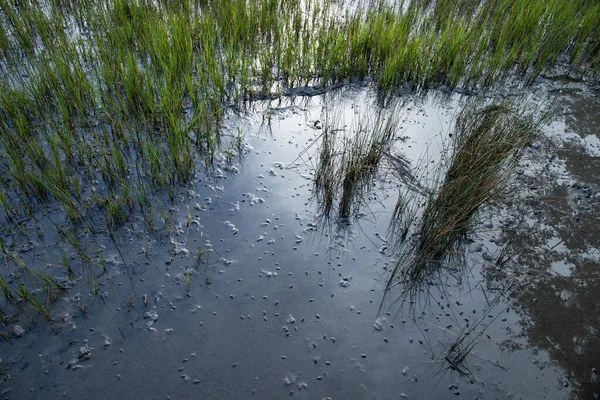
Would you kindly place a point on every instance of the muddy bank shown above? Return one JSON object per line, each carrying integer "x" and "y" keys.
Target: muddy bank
{"x": 558, "y": 242}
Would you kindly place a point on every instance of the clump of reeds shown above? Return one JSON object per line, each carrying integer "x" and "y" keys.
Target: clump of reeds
{"x": 349, "y": 160}
{"x": 487, "y": 143}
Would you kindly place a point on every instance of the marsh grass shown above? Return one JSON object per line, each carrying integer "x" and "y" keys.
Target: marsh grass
{"x": 186, "y": 277}
{"x": 134, "y": 91}
{"x": 31, "y": 300}
{"x": 350, "y": 157}
{"x": 8, "y": 296}
{"x": 27, "y": 292}
{"x": 486, "y": 145}
{"x": 73, "y": 240}
{"x": 110, "y": 106}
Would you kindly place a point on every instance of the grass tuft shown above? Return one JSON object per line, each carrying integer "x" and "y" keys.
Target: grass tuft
{"x": 487, "y": 144}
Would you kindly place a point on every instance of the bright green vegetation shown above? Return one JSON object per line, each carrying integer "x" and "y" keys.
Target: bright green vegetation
{"x": 108, "y": 106}
{"x": 129, "y": 93}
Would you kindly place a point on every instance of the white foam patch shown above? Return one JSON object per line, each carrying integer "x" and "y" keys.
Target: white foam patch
{"x": 591, "y": 144}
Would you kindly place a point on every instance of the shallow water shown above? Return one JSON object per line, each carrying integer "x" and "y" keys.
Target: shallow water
{"x": 288, "y": 303}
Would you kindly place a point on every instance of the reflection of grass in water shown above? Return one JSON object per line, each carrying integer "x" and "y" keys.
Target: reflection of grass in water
{"x": 486, "y": 145}
{"x": 452, "y": 356}
{"x": 456, "y": 355}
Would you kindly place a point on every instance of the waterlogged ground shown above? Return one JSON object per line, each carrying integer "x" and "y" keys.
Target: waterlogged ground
{"x": 287, "y": 303}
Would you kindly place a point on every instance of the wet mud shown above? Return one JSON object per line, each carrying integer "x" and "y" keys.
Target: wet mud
{"x": 559, "y": 245}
